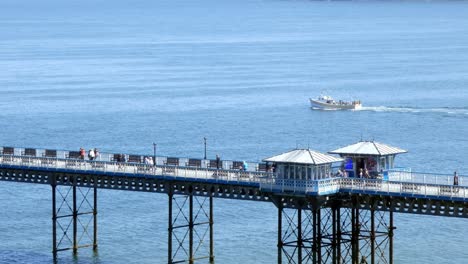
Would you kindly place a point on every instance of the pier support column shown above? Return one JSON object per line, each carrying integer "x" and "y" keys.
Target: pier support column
{"x": 190, "y": 224}
{"x": 73, "y": 212}
{"x": 296, "y": 231}
{"x": 334, "y": 234}
{"x": 373, "y": 234}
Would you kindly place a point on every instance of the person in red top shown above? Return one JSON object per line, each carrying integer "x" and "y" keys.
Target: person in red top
{"x": 82, "y": 153}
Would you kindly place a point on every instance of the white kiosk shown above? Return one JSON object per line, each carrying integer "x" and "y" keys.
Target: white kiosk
{"x": 303, "y": 164}
{"x": 373, "y": 157}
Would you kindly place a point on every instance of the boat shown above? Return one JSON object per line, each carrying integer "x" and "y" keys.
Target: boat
{"x": 326, "y": 102}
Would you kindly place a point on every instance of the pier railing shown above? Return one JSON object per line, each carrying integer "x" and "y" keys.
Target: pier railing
{"x": 370, "y": 186}
{"x": 401, "y": 182}
{"x": 130, "y": 158}
{"x": 406, "y": 175}
{"x": 136, "y": 169}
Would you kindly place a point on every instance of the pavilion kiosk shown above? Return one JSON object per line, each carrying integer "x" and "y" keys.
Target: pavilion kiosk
{"x": 376, "y": 158}
{"x": 303, "y": 164}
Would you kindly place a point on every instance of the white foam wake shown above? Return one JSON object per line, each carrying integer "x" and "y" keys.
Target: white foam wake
{"x": 441, "y": 110}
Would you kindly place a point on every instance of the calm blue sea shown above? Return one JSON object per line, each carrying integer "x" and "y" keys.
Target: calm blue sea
{"x": 119, "y": 75}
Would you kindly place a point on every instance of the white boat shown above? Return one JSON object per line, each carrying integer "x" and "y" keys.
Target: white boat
{"x": 328, "y": 103}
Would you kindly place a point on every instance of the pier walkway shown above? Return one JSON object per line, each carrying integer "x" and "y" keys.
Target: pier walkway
{"x": 401, "y": 183}
{"x": 348, "y": 218}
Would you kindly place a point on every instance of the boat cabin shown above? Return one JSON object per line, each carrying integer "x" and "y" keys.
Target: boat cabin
{"x": 368, "y": 159}
{"x": 302, "y": 164}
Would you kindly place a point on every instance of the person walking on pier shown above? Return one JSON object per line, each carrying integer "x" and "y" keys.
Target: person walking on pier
{"x": 82, "y": 153}
{"x": 455, "y": 178}
{"x": 218, "y": 161}
{"x": 245, "y": 166}
{"x": 96, "y": 154}
{"x": 91, "y": 154}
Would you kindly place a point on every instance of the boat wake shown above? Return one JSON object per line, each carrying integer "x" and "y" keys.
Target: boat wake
{"x": 440, "y": 110}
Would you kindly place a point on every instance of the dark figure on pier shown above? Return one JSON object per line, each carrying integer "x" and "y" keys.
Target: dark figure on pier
{"x": 82, "y": 153}
{"x": 218, "y": 161}
{"x": 455, "y": 178}
{"x": 96, "y": 153}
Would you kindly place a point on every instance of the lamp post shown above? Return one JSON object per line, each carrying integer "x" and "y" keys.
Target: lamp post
{"x": 154, "y": 153}
{"x": 204, "y": 139}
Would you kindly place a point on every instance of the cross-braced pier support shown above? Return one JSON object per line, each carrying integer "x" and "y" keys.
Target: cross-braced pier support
{"x": 333, "y": 232}
{"x": 372, "y": 235}
{"x": 74, "y": 213}
{"x": 190, "y": 223}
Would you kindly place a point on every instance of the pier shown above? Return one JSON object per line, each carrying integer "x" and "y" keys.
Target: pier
{"x": 326, "y": 214}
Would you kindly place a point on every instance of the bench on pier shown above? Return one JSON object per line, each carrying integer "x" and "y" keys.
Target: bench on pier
{"x": 8, "y": 151}
{"x": 214, "y": 164}
{"x": 170, "y": 164}
{"x": 263, "y": 167}
{"x": 194, "y": 163}
{"x": 118, "y": 158}
{"x": 50, "y": 153}
{"x": 29, "y": 152}
{"x": 73, "y": 155}
{"x": 237, "y": 165}
{"x": 134, "y": 158}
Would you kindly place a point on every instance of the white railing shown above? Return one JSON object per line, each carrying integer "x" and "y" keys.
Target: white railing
{"x": 355, "y": 185}
{"x": 410, "y": 184}
{"x": 403, "y": 188}
{"x": 429, "y": 178}
{"x": 111, "y": 157}
{"x": 180, "y": 172}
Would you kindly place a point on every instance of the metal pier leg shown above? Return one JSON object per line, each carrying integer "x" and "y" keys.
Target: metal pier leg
{"x": 319, "y": 236}
{"x": 170, "y": 230}
{"x": 191, "y": 256}
{"x": 338, "y": 235}
{"x": 355, "y": 240}
{"x": 390, "y": 237}
{"x": 372, "y": 236}
{"x": 95, "y": 215}
{"x": 54, "y": 220}
{"x": 299, "y": 236}
{"x": 314, "y": 234}
{"x": 190, "y": 224}
{"x": 334, "y": 254}
{"x": 73, "y": 213}
{"x": 211, "y": 229}
{"x": 280, "y": 233}
{"x": 75, "y": 220}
